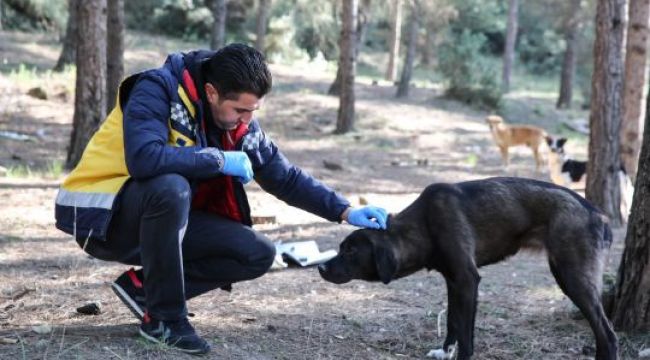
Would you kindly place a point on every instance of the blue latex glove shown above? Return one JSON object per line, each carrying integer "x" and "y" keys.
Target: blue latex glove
{"x": 371, "y": 217}
{"x": 237, "y": 164}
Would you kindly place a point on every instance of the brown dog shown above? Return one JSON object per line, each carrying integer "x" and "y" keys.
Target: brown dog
{"x": 506, "y": 136}
{"x": 457, "y": 228}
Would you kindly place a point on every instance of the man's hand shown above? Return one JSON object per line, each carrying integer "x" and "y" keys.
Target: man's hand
{"x": 371, "y": 217}
{"x": 237, "y": 164}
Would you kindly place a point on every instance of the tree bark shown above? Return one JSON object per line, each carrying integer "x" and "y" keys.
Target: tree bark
{"x": 569, "y": 63}
{"x": 407, "y": 70}
{"x": 263, "y": 10}
{"x": 603, "y": 188}
{"x": 114, "y": 50}
{"x": 347, "y": 61}
{"x": 68, "y": 52}
{"x": 396, "y": 31}
{"x": 90, "y": 89}
{"x": 636, "y": 79}
{"x": 362, "y": 26}
{"x": 631, "y": 308}
{"x": 218, "y": 38}
{"x": 511, "y": 37}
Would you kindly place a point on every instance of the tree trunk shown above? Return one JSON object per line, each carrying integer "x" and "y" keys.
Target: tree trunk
{"x": 396, "y": 31}
{"x": 114, "y": 50}
{"x": 636, "y": 79}
{"x": 218, "y": 38}
{"x": 511, "y": 37}
{"x": 347, "y": 61}
{"x": 569, "y": 64}
{"x": 263, "y": 11}
{"x": 407, "y": 70}
{"x": 2, "y": 15}
{"x": 603, "y": 188}
{"x": 426, "y": 52}
{"x": 68, "y": 52}
{"x": 362, "y": 26}
{"x": 90, "y": 89}
{"x": 631, "y": 308}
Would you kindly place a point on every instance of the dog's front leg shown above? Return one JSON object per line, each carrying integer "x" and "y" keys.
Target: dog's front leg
{"x": 505, "y": 158}
{"x": 462, "y": 294}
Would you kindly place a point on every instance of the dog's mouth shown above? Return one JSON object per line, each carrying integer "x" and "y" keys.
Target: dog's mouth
{"x": 327, "y": 274}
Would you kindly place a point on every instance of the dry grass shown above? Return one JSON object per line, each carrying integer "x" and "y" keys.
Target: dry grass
{"x": 291, "y": 313}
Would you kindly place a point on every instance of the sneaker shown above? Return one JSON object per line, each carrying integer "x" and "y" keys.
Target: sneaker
{"x": 128, "y": 287}
{"x": 176, "y": 334}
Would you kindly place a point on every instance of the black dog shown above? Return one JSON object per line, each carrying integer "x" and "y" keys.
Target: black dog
{"x": 457, "y": 228}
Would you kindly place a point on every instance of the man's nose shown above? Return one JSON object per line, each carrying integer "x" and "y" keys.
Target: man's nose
{"x": 246, "y": 118}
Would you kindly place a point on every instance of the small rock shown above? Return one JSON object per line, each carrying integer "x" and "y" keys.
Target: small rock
{"x": 42, "y": 329}
{"x": 330, "y": 165}
{"x": 644, "y": 354}
{"x": 271, "y": 328}
{"x": 8, "y": 340}
{"x": 93, "y": 308}
{"x": 37, "y": 92}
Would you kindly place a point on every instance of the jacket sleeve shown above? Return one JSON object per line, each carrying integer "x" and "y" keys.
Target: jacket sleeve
{"x": 276, "y": 175}
{"x": 146, "y": 133}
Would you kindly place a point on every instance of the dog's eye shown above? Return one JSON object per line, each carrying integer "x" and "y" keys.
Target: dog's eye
{"x": 349, "y": 250}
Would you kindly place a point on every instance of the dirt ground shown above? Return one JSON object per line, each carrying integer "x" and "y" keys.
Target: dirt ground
{"x": 400, "y": 147}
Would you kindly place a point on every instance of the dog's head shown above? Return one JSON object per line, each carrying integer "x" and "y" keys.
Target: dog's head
{"x": 493, "y": 120}
{"x": 556, "y": 144}
{"x": 365, "y": 254}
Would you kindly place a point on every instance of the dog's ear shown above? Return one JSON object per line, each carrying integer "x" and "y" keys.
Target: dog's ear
{"x": 385, "y": 259}
{"x": 549, "y": 140}
{"x": 561, "y": 142}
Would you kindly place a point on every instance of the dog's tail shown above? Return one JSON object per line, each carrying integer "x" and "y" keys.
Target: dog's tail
{"x": 608, "y": 238}
{"x": 601, "y": 224}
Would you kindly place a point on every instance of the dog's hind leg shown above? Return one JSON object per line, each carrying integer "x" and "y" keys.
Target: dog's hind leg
{"x": 580, "y": 281}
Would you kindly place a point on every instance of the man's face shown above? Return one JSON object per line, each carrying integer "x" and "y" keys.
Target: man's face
{"x": 227, "y": 114}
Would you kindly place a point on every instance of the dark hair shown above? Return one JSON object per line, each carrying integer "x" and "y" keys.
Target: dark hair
{"x": 238, "y": 68}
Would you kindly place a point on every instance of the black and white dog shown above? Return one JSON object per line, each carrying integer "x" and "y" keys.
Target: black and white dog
{"x": 573, "y": 170}
{"x": 567, "y": 172}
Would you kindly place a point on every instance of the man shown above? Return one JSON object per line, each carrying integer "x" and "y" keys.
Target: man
{"x": 161, "y": 185}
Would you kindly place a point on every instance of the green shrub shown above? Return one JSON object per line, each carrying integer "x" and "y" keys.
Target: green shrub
{"x": 469, "y": 75}
{"x": 30, "y": 15}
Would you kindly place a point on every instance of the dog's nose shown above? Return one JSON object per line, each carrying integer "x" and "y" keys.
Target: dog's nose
{"x": 322, "y": 267}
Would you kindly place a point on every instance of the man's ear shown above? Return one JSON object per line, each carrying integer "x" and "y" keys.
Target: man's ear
{"x": 211, "y": 93}
{"x": 385, "y": 260}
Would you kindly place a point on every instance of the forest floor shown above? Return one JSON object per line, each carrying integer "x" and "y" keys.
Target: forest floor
{"x": 289, "y": 313}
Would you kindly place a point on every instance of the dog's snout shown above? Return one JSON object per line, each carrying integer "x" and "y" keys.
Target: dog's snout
{"x": 322, "y": 267}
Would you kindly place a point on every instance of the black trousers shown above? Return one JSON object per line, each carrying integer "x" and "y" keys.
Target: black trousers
{"x": 183, "y": 253}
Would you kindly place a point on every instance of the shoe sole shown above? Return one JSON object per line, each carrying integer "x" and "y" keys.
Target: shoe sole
{"x": 187, "y": 351}
{"x": 128, "y": 301}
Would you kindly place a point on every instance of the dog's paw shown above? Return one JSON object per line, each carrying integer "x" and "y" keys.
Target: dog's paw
{"x": 441, "y": 354}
